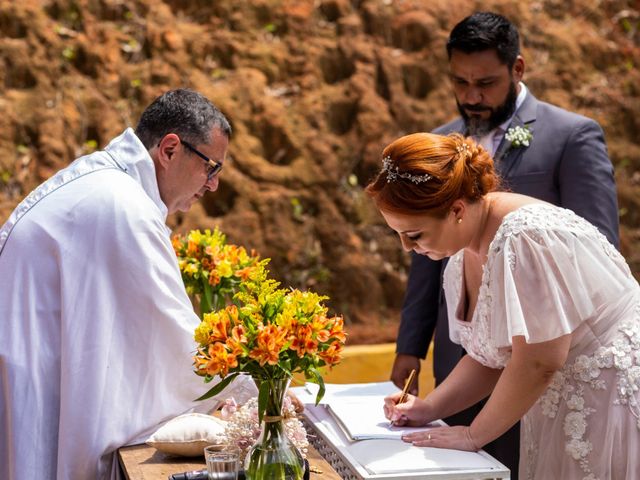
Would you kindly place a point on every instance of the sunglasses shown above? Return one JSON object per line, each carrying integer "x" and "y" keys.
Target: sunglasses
{"x": 213, "y": 166}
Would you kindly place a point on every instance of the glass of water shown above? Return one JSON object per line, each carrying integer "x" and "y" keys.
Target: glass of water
{"x": 221, "y": 464}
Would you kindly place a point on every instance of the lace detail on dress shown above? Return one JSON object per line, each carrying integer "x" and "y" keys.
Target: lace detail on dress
{"x": 537, "y": 218}
{"x": 624, "y": 355}
{"x": 475, "y": 336}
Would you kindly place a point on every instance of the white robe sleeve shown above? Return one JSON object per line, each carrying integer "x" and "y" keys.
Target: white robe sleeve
{"x": 544, "y": 283}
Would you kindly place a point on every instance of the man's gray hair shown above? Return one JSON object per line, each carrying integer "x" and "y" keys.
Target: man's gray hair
{"x": 188, "y": 114}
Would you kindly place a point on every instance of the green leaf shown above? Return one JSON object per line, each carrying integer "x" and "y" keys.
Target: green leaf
{"x": 317, "y": 379}
{"x": 218, "y": 387}
{"x": 263, "y": 397}
{"x": 206, "y": 300}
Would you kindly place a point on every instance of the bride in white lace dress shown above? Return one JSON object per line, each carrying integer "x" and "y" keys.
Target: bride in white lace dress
{"x": 547, "y": 310}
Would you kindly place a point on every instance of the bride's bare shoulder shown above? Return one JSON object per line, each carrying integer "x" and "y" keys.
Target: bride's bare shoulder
{"x": 503, "y": 203}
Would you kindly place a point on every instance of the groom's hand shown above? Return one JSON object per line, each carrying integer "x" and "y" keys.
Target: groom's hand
{"x": 402, "y": 367}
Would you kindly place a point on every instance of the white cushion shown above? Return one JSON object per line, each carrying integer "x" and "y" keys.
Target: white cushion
{"x": 188, "y": 434}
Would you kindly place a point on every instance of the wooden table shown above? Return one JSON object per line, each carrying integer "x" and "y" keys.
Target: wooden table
{"x": 142, "y": 462}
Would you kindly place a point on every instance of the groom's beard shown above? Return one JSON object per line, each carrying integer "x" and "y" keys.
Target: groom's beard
{"x": 478, "y": 127}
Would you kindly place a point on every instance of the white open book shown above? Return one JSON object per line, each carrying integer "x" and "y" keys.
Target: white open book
{"x": 357, "y": 409}
{"x": 364, "y": 419}
{"x": 351, "y": 419}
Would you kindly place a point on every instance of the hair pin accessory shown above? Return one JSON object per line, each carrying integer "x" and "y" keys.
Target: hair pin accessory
{"x": 462, "y": 148}
{"x": 393, "y": 173}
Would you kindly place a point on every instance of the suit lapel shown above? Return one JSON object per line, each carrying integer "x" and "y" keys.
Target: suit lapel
{"x": 506, "y": 157}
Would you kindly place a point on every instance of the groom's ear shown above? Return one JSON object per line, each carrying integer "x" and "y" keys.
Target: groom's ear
{"x": 517, "y": 71}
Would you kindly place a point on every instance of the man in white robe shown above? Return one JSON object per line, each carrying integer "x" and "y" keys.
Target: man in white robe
{"x": 96, "y": 330}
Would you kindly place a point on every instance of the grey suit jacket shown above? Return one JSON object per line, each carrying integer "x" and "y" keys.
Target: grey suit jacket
{"x": 566, "y": 164}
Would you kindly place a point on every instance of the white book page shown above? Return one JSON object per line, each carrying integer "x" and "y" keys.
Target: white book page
{"x": 364, "y": 418}
{"x": 392, "y": 456}
{"x": 335, "y": 391}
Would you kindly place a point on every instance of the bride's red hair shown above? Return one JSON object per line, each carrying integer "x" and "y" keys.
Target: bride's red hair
{"x": 458, "y": 167}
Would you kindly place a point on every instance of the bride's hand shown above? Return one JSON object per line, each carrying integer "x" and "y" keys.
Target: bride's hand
{"x": 413, "y": 412}
{"x": 458, "y": 438}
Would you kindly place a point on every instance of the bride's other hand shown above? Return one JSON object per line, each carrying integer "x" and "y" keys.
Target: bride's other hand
{"x": 458, "y": 438}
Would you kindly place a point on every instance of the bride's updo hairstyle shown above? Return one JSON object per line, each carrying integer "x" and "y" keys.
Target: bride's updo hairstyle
{"x": 426, "y": 173}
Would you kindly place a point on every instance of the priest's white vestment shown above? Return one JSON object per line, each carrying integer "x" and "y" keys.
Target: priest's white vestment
{"x": 96, "y": 330}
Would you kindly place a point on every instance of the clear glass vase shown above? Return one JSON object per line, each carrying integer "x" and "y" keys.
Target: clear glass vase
{"x": 273, "y": 456}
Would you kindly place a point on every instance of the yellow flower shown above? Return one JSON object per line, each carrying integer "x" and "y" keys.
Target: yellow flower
{"x": 201, "y": 334}
{"x": 224, "y": 269}
{"x": 191, "y": 268}
{"x": 195, "y": 236}
{"x": 287, "y": 319}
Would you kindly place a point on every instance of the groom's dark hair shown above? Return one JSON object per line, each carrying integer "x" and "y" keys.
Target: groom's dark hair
{"x": 486, "y": 31}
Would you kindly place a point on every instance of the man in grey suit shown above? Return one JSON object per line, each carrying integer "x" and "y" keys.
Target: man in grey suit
{"x": 539, "y": 150}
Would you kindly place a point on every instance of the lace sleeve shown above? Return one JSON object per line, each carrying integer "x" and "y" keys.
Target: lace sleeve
{"x": 549, "y": 275}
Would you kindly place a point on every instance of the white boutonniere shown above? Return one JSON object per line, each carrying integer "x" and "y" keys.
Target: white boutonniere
{"x": 519, "y": 136}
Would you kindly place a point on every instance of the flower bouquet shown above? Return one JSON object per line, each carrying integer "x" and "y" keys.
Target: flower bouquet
{"x": 211, "y": 269}
{"x": 270, "y": 334}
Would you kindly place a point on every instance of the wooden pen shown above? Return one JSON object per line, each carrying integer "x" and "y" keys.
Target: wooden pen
{"x": 407, "y": 386}
{"x": 405, "y": 390}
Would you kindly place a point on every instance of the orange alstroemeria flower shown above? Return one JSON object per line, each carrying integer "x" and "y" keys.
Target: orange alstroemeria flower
{"x": 220, "y": 325}
{"x": 244, "y": 273}
{"x": 222, "y": 358}
{"x": 332, "y": 355}
{"x": 176, "y": 243}
{"x": 192, "y": 249}
{"x": 269, "y": 342}
{"x": 337, "y": 329}
{"x": 318, "y": 325}
{"x": 303, "y": 342}
{"x": 216, "y": 361}
{"x": 237, "y": 339}
{"x": 214, "y": 278}
{"x": 233, "y": 253}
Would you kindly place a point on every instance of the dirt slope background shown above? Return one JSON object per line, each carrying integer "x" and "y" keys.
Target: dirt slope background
{"x": 314, "y": 90}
